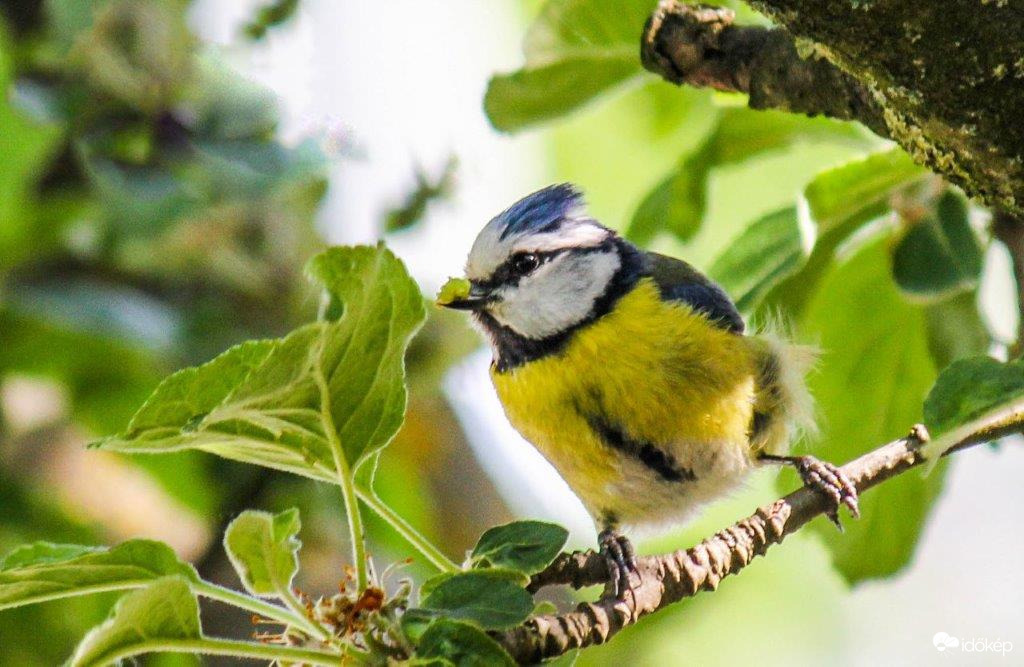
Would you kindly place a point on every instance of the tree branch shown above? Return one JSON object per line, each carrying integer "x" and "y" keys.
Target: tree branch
{"x": 948, "y": 75}
{"x": 942, "y": 79}
{"x": 669, "y": 578}
{"x": 698, "y": 45}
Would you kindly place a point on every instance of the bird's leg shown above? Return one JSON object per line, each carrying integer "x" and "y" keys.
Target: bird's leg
{"x": 823, "y": 477}
{"x": 618, "y": 552}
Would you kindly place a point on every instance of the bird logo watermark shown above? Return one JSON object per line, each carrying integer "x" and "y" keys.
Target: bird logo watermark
{"x": 943, "y": 641}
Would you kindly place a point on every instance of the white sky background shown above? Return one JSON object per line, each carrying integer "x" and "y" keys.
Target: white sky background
{"x": 405, "y": 79}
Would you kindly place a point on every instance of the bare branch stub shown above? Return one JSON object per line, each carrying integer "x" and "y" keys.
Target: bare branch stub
{"x": 699, "y": 45}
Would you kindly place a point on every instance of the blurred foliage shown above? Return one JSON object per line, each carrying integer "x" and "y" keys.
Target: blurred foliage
{"x": 149, "y": 219}
{"x": 870, "y": 384}
{"x": 427, "y": 189}
{"x": 678, "y": 203}
{"x": 574, "y": 51}
{"x": 269, "y": 16}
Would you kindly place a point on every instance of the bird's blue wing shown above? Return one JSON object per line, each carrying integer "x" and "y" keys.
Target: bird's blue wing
{"x": 678, "y": 281}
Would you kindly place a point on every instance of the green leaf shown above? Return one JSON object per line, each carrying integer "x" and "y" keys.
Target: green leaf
{"x": 854, "y": 190}
{"x": 42, "y": 571}
{"x": 567, "y": 659}
{"x": 875, "y": 369}
{"x": 264, "y": 550}
{"x": 431, "y": 583}
{"x": 461, "y": 644}
{"x": 767, "y": 251}
{"x": 264, "y": 402}
{"x": 43, "y": 553}
{"x": 415, "y": 622}
{"x": 520, "y": 99}
{"x": 840, "y": 201}
{"x": 492, "y": 598}
{"x": 574, "y": 50}
{"x": 526, "y": 546}
{"x": 164, "y": 610}
{"x": 138, "y": 200}
{"x": 574, "y": 27}
{"x": 677, "y": 203}
{"x": 939, "y": 253}
{"x": 955, "y": 329}
{"x": 187, "y": 411}
{"x": 970, "y": 388}
{"x": 364, "y": 359}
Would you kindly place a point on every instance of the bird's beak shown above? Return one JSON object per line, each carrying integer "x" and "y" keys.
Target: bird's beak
{"x": 477, "y": 299}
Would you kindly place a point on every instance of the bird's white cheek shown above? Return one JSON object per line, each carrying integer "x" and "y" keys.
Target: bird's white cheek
{"x": 536, "y": 313}
{"x": 556, "y": 298}
{"x": 530, "y": 315}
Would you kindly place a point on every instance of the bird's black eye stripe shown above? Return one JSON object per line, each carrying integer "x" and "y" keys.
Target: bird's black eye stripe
{"x": 517, "y": 266}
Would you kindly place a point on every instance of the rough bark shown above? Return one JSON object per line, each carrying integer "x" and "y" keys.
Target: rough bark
{"x": 699, "y": 46}
{"x": 947, "y": 76}
{"x": 669, "y": 578}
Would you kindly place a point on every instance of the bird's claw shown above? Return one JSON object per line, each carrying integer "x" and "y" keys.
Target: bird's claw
{"x": 828, "y": 479}
{"x": 621, "y": 558}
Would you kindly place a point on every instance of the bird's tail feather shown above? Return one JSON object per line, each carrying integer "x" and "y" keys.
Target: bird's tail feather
{"x": 783, "y": 406}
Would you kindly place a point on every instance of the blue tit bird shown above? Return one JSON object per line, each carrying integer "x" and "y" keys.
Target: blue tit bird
{"x": 630, "y": 371}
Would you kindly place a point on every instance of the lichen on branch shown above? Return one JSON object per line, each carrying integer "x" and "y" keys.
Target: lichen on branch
{"x": 945, "y": 80}
{"x": 700, "y": 46}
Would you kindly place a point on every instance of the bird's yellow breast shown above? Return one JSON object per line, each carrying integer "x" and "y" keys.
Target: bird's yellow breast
{"x": 659, "y": 373}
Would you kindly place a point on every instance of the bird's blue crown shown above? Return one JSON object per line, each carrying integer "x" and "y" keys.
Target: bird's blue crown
{"x": 540, "y": 212}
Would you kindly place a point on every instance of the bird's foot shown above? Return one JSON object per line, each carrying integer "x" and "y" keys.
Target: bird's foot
{"x": 825, "y": 478}
{"x": 621, "y": 558}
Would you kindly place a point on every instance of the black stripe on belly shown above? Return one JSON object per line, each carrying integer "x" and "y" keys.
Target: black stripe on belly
{"x": 646, "y": 453}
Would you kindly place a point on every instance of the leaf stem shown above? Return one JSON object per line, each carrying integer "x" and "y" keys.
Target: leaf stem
{"x": 355, "y": 521}
{"x": 403, "y": 528}
{"x": 293, "y": 603}
{"x": 345, "y": 481}
{"x": 257, "y": 606}
{"x": 212, "y": 646}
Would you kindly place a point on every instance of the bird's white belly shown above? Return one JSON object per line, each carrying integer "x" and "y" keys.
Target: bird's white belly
{"x": 644, "y": 503}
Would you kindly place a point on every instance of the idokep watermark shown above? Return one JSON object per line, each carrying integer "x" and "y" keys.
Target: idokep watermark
{"x": 946, "y": 642}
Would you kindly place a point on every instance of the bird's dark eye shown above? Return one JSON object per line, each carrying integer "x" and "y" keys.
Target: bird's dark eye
{"x": 525, "y": 263}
